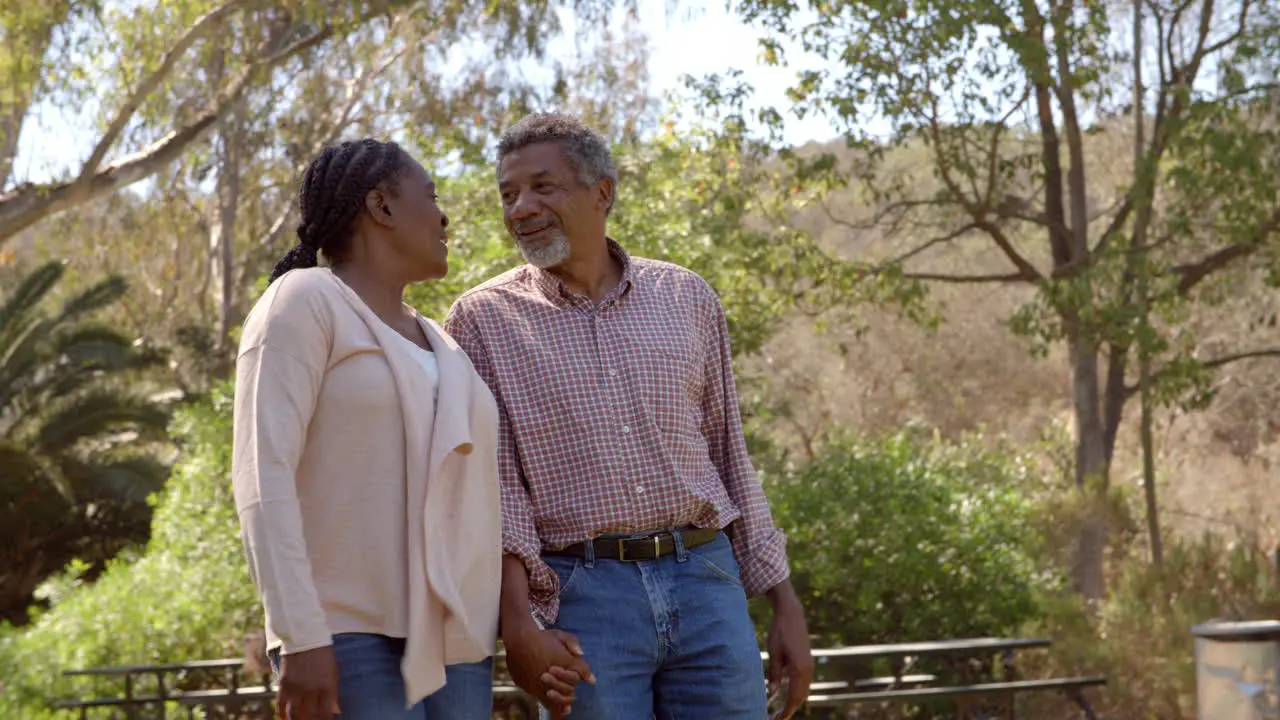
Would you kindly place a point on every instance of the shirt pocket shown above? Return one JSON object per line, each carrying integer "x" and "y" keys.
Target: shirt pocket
{"x": 669, "y": 382}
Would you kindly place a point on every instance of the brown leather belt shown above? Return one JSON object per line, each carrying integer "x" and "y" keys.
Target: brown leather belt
{"x": 637, "y": 548}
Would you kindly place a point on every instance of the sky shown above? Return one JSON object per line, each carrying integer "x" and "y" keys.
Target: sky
{"x": 697, "y": 39}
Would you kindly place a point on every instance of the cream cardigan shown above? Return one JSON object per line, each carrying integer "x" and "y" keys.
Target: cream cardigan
{"x": 368, "y": 502}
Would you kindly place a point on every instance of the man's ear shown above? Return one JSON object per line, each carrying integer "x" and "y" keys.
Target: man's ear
{"x": 604, "y": 194}
{"x": 375, "y": 203}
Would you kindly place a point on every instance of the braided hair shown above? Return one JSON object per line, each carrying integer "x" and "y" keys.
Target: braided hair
{"x": 332, "y": 197}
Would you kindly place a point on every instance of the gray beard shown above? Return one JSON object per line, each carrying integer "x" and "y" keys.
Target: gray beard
{"x": 552, "y": 254}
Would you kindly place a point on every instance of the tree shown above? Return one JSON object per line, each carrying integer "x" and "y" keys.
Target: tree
{"x": 195, "y": 239}
{"x": 76, "y": 460}
{"x": 165, "y": 74}
{"x": 1000, "y": 96}
{"x": 30, "y": 30}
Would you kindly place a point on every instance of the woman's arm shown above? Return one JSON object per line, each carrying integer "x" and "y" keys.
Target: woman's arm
{"x": 283, "y": 355}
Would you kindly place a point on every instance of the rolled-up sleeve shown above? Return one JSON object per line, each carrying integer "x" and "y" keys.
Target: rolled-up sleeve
{"x": 519, "y": 530}
{"x": 279, "y": 370}
{"x": 759, "y": 547}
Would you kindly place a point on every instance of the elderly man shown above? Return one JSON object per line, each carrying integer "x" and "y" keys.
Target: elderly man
{"x": 633, "y": 522}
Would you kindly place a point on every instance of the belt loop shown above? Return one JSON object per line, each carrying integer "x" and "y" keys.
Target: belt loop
{"x": 677, "y": 538}
{"x": 589, "y": 549}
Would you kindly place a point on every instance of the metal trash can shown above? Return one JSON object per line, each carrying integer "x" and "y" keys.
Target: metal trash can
{"x": 1238, "y": 670}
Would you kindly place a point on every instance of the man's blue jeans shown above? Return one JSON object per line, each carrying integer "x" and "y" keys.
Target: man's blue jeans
{"x": 370, "y": 686}
{"x": 668, "y": 638}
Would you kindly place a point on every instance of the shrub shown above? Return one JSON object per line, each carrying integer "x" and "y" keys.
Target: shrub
{"x": 188, "y": 597}
{"x": 1140, "y": 637}
{"x": 907, "y": 539}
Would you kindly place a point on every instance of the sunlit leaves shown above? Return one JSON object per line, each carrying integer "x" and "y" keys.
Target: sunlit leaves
{"x": 908, "y": 539}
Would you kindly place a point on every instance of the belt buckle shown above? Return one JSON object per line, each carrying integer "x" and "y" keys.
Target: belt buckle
{"x": 622, "y": 548}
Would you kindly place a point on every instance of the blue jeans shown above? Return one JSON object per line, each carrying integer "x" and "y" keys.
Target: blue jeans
{"x": 370, "y": 686}
{"x": 668, "y": 638}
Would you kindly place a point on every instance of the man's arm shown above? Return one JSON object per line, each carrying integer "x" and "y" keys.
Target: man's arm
{"x": 545, "y": 663}
{"x": 758, "y": 545}
{"x": 520, "y": 540}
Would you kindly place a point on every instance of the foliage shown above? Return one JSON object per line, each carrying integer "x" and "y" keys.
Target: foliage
{"x": 1002, "y": 95}
{"x": 162, "y": 74}
{"x": 704, "y": 198}
{"x": 1142, "y": 634}
{"x": 908, "y": 538}
{"x": 217, "y": 215}
{"x": 77, "y": 459}
{"x": 188, "y": 597}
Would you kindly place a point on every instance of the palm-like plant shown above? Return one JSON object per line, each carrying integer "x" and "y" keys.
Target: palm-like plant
{"x": 77, "y": 438}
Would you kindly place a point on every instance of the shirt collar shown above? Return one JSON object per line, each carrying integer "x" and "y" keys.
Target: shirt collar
{"x": 555, "y": 289}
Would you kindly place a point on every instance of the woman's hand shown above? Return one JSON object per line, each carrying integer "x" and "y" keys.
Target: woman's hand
{"x": 308, "y": 685}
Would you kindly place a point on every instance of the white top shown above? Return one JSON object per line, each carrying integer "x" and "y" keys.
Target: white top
{"x": 427, "y": 360}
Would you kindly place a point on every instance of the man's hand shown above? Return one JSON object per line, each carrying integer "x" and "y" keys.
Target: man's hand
{"x": 789, "y": 654}
{"x": 547, "y": 664}
{"x": 308, "y": 685}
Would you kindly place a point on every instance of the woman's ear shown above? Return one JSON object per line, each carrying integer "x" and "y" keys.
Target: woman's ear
{"x": 375, "y": 203}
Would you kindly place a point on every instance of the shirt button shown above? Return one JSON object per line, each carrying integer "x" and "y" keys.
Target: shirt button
{"x": 640, "y": 488}
{"x": 613, "y": 372}
{"x": 626, "y": 428}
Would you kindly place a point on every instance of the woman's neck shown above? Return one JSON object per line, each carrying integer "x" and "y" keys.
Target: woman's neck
{"x": 385, "y": 298}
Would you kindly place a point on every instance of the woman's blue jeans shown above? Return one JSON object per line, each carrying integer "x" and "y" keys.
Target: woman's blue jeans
{"x": 370, "y": 686}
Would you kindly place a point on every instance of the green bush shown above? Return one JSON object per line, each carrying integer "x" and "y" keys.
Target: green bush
{"x": 188, "y": 597}
{"x": 908, "y": 539}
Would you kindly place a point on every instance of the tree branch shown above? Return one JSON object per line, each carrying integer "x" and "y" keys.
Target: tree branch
{"x": 125, "y": 112}
{"x": 28, "y": 204}
{"x": 968, "y": 279}
{"x": 1235, "y": 36}
{"x": 1192, "y": 274}
{"x": 940, "y": 240}
{"x": 1027, "y": 271}
{"x": 1214, "y": 363}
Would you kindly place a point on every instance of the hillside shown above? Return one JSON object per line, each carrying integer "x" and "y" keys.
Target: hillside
{"x": 1217, "y": 468}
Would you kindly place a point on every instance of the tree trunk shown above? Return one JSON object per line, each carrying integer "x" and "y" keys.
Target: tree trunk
{"x": 1092, "y": 469}
{"x": 1140, "y": 226}
{"x": 228, "y": 148}
{"x": 224, "y": 230}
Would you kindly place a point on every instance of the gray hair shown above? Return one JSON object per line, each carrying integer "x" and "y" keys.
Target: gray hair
{"x": 584, "y": 148}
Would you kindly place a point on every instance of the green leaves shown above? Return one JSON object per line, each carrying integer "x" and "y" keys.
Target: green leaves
{"x": 188, "y": 597}
{"x": 74, "y": 469}
{"x": 905, "y": 538}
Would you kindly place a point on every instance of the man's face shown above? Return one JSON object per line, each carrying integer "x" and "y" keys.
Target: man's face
{"x": 545, "y": 205}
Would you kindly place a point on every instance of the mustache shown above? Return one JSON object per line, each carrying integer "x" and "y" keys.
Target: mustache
{"x": 533, "y": 225}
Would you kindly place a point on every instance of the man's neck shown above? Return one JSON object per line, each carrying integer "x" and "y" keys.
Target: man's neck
{"x": 595, "y": 274}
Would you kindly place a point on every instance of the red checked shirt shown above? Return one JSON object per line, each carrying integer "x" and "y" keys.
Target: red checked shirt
{"x": 616, "y": 418}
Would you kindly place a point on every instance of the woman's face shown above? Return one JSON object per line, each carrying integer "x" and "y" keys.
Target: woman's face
{"x": 420, "y": 235}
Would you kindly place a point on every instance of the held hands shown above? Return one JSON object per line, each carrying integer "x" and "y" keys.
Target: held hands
{"x": 547, "y": 664}
{"x": 308, "y": 685}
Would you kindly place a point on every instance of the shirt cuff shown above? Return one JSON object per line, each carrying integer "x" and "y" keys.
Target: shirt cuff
{"x": 544, "y": 584}
{"x": 764, "y": 563}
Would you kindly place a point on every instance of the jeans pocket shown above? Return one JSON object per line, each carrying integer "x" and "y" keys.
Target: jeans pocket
{"x": 566, "y": 570}
{"x": 717, "y": 558}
